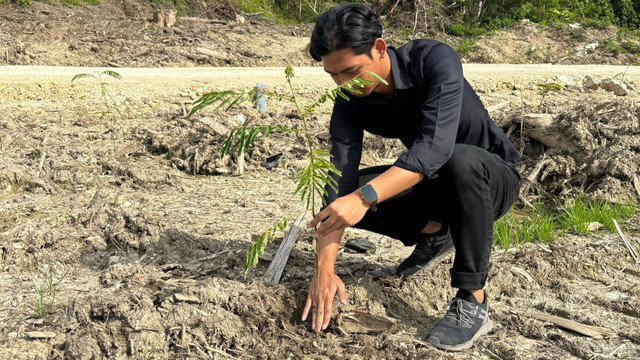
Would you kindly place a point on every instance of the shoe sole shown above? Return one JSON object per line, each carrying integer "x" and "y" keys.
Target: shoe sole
{"x": 484, "y": 329}
{"x": 431, "y": 264}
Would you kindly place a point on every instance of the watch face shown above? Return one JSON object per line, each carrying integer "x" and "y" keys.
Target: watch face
{"x": 369, "y": 194}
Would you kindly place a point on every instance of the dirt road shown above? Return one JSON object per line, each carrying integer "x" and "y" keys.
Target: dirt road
{"x": 157, "y": 79}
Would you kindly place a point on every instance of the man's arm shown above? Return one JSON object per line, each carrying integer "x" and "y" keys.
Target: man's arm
{"x": 325, "y": 283}
{"x": 350, "y": 209}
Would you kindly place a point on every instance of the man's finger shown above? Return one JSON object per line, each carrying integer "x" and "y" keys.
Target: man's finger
{"x": 316, "y": 219}
{"x": 319, "y": 316}
{"x": 336, "y": 225}
{"x": 307, "y": 306}
{"x": 327, "y": 224}
{"x": 342, "y": 294}
{"x": 327, "y": 313}
{"x": 314, "y": 312}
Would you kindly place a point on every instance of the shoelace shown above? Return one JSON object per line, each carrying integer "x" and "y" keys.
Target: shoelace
{"x": 459, "y": 314}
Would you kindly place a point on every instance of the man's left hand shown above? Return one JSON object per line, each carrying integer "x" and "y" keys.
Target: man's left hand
{"x": 345, "y": 211}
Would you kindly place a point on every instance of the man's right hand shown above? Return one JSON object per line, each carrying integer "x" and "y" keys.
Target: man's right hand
{"x": 323, "y": 288}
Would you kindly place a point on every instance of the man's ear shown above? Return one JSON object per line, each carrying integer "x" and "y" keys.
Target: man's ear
{"x": 379, "y": 48}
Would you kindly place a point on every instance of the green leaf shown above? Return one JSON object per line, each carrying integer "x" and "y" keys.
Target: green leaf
{"x": 342, "y": 95}
{"x": 82, "y": 76}
{"x": 113, "y": 74}
{"x": 288, "y": 73}
{"x": 257, "y": 247}
{"x": 378, "y": 77}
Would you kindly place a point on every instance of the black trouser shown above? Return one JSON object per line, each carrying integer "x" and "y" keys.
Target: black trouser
{"x": 472, "y": 190}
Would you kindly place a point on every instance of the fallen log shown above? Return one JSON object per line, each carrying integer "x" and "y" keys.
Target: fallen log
{"x": 541, "y": 127}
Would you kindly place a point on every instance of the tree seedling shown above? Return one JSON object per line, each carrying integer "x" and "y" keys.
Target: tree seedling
{"x": 102, "y": 78}
{"x": 312, "y": 179}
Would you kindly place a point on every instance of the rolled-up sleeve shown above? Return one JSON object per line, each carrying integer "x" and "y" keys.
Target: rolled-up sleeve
{"x": 440, "y": 113}
{"x": 346, "y": 150}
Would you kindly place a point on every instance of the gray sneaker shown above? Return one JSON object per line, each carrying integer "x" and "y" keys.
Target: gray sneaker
{"x": 427, "y": 254}
{"x": 461, "y": 326}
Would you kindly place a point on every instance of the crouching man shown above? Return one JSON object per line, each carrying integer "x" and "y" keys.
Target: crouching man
{"x": 444, "y": 192}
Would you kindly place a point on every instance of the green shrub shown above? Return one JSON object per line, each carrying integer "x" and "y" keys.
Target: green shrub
{"x": 631, "y": 47}
{"x": 288, "y": 11}
{"x": 465, "y": 46}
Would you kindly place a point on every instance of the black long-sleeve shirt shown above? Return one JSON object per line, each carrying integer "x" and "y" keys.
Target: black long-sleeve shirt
{"x": 432, "y": 108}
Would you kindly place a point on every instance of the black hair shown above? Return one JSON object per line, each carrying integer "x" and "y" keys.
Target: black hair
{"x": 354, "y": 26}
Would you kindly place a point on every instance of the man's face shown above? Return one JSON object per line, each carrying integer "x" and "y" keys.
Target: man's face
{"x": 343, "y": 65}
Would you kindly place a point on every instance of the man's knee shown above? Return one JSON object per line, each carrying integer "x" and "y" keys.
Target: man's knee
{"x": 464, "y": 166}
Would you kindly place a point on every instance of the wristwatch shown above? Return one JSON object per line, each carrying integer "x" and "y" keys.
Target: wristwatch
{"x": 369, "y": 195}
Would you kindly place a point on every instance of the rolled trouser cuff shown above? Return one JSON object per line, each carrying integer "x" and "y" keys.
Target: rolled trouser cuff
{"x": 468, "y": 281}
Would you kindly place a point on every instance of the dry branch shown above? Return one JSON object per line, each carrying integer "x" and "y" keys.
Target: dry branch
{"x": 627, "y": 243}
{"x": 636, "y": 184}
{"x": 273, "y": 273}
{"x": 595, "y": 332}
{"x": 195, "y": 57}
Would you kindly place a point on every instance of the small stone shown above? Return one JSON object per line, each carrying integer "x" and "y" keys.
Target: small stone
{"x": 40, "y": 334}
{"x": 359, "y": 245}
{"x": 216, "y": 126}
{"x": 615, "y": 85}
{"x": 589, "y": 83}
{"x": 97, "y": 242}
{"x": 594, "y": 226}
{"x": 187, "y": 298}
{"x": 570, "y": 81}
{"x": 240, "y": 118}
{"x": 592, "y": 46}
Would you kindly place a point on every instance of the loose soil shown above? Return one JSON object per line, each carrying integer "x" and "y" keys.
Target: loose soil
{"x": 129, "y": 202}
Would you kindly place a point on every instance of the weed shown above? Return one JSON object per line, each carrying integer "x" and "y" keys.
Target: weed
{"x": 101, "y": 78}
{"x": 515, "y": 230}
{"x": 577, "y": 215}
{"x": 46, "y": 292}
{"x": 545, "y": 89}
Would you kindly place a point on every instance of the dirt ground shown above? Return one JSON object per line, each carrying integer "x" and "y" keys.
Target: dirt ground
{"x": 130, "y": 204}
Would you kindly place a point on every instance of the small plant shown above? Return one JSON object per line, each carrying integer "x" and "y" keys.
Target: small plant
{"x": 580, "y": 213}
{"x": 46, "y": 292}
{"x": 102, "y": 78}
{"x": 314, "y": 176}
{"x": 545, "y": 89}
{"x": 515, "y": 230}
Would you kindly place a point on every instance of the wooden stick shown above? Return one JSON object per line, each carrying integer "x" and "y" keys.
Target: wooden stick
{"x": 273, "y": 273}
{"x": 595, "y": 332}
{"x": 240, "y": 168}
{"x": 636, "y": 184}
{"x": 627, "y": 243}
{"x": 195, "y": 57}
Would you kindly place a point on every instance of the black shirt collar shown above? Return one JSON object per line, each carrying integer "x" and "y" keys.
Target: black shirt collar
{"x": 401, "y": 79}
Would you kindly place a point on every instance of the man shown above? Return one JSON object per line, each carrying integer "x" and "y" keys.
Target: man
{"x": 456, "y": 178}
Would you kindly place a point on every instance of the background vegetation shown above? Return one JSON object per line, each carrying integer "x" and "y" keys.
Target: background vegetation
{"x": 460, "y": 18}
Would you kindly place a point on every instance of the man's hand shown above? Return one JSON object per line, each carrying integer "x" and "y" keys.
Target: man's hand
{"x": 326, "y": 284}
{"x": 343, "y": 212}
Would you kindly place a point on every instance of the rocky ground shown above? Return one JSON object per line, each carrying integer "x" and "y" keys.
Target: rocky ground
{"x": 123, "y": 208}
